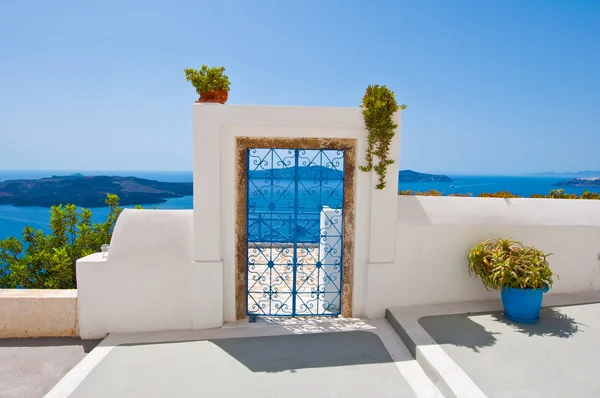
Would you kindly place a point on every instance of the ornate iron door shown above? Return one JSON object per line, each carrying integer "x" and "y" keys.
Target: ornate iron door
{"x": 294, "y": 231}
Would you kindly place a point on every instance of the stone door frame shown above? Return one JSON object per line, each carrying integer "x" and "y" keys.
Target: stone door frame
{"x": 349, "y": 148}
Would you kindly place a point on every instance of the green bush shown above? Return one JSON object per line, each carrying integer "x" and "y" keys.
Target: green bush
{"x": 208, "y": 78}
{"x": 554, "y": 194}
{"x": 47, "y": 261}
{"x": 504, "y": 263}
{"x": 501, "y": 194}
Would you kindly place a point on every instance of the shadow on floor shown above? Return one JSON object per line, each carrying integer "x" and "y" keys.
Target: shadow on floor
{"x": 87, "y": 345}
{"x": 461, "y": 330}
{"x": 301, "y": 351}
{"x": 553, "y": 322}
{"x": 290, "y": 352}
{"x": 458, "y": 329}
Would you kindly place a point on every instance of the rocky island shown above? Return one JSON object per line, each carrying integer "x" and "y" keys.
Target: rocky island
{"x": 413, "y": 176}
{"x": 587, "y": 182}
{"x": 309, "y": 172}
{"x": 89, "y": 191}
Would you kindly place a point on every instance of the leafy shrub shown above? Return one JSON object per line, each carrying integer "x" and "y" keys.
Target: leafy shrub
{"x": 431, "y": 192}
{"x": 590, "y": 195}
{"x": 554, "y": 194}
{"x": 507, "y": 263}
{"x": 410, "y": 192}
{"x": 47, "y": 261}
{"x": 462, "y": 195}
{"x": 501, "y": 194}
{"x": 208, "y": 79}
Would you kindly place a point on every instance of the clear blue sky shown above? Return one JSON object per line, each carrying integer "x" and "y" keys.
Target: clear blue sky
{"x": 501, "y": 87}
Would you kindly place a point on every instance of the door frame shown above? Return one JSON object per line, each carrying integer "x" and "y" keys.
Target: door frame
{"x": 241, "y": 250}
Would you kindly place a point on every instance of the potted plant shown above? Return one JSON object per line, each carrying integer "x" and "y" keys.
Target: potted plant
{"x": 521, "y": 273}
{"x": 211, "y": 83}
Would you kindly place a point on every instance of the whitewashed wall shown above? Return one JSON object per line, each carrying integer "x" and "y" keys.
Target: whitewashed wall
{"x": 434, "y": 235}
{"x": 146, "y": 282}
{"x": 215, "y": 130}
{"x": 176, "y": 269}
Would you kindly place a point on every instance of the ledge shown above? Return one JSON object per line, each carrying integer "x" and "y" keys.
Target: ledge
{"x": 93, "y": 258}
{"x": 38, "y": 313}
{"x": 38, "y": 293}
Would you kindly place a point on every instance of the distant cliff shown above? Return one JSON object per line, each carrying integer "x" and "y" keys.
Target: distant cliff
{"x": 413, "y": 176}
{"x": 589, "y": 182}
{"x": 89, "y": 191}
{"x": 309, "y": 172}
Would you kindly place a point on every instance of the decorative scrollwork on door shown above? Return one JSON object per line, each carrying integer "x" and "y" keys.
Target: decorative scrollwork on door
{"x": 295, "y": 201}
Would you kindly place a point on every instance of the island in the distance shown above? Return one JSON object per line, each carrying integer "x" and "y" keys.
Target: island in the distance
{"x": 587, "y": 182}
{"x": 89, "y": 191}
{"x": 413, "y": 176}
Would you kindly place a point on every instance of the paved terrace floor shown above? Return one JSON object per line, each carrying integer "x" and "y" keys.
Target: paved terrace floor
{"x": 471, "y": 350}
{"x": 295, "y": 358}
{"x": 29, "y": 368}
{"x": 556, "y": 357}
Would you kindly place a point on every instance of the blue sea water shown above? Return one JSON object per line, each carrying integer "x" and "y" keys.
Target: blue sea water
{"x": 14, "y": 219}
{"x": 519, "y": 185}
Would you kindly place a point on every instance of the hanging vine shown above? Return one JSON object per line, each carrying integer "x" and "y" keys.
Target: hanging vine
{"x": 379, "y": 105}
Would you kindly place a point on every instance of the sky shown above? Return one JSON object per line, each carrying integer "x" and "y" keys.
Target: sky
{"x": 492, "y": 87}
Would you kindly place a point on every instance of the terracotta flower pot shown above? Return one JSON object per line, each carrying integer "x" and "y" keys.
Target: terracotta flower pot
{"x": 219, "y": 96}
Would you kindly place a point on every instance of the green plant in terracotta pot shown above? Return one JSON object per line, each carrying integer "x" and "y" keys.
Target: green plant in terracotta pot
{"x": 521, "y": 273}
{"x": 211, "y": 83}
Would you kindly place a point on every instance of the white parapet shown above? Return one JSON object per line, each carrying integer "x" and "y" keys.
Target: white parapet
{"x": 434, "y": 235}
{"x": 38, "y": 313}
{"x": 146, "y": 281}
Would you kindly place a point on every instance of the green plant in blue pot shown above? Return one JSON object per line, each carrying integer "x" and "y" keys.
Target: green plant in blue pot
{"x": 521, "y": 273}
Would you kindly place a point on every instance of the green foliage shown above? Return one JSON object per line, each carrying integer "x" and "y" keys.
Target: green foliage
{"x": 208, "y": 79}
{"x": 554, "y": 194}
{"x": 409, "y": 192}
{"x": 379, "y": 104}
{"x": 590, "y": 195}
{"x": 501, "y": 194}
{"x": 47, "y": 261}
{"x": 507, "y": 263}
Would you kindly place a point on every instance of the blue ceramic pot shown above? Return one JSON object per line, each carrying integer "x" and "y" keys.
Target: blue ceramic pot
{"x": 523, "y": 305}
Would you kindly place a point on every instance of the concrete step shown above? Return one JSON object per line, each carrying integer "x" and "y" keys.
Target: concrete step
{"x": 446, "y": 375}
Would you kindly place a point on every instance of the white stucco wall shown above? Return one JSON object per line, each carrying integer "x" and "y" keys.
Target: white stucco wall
{"x": 170, "y": 270}
{"x": 146, "y": 282}
{"x": 434, "y": 235}
{"x": 215, "y": 130}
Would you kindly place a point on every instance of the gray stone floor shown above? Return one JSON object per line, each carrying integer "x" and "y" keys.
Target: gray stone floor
{"x": 344, "y": 364}
{"x": 29, "y": 368}
{"x": 557, "y": 357}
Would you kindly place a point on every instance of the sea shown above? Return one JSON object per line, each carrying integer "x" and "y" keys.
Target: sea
{"x": 14, "y": 219}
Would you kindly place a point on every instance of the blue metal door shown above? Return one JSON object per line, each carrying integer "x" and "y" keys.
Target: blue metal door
{"x": 294, "y": 224}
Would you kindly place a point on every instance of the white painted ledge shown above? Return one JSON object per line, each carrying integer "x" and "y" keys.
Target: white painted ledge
{"x": 93, "y": 258}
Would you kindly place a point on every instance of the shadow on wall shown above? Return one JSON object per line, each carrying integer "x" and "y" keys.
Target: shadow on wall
{"x": 461, "y": 330}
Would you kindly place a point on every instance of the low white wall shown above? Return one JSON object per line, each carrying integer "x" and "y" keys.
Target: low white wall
{"x": 434, "y": 235}
{"x": 38, "y": 313}
{"x": 146, "y": 282}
